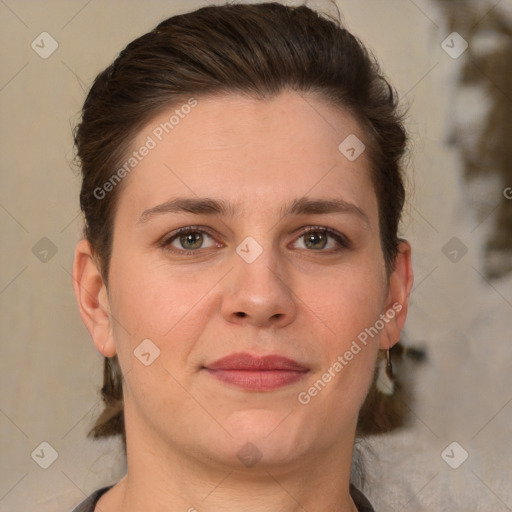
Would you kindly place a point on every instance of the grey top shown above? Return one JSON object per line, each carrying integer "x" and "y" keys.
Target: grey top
{"x": 362, "y": 504}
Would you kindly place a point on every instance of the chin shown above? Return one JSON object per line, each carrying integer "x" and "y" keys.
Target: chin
{"x": 262, "y": 438}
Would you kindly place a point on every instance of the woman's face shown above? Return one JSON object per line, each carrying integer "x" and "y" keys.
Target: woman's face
{"x": 245, "y": 277}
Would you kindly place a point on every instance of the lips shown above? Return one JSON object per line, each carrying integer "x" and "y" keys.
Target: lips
{"x": 255, "y": 363}
{"x": 257, "y": 373}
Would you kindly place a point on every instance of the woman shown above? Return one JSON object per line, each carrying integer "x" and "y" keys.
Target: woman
{"x": 240, "y": 268}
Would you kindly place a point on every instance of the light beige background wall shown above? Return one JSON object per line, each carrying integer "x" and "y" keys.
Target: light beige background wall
{"x": 50, "y": 373}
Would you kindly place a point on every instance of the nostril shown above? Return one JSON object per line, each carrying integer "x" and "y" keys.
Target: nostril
{"x": 241, "y": 314}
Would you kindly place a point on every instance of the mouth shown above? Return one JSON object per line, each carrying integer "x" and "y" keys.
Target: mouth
{"x": 256, "y": 373}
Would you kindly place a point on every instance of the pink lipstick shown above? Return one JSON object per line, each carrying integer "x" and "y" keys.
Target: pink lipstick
{"x": 256, "y": 373}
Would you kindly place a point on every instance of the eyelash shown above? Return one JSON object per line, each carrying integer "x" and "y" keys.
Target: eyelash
{"x": 340, "y": 239}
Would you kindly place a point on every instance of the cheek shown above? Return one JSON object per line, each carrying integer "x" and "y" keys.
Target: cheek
{"x": 348, "y": 310}
{"x": 169, "y": 306}
{"x": 150, "y": 305}
{"x": 352, "y": 300}
{"x": 154, "y": 302}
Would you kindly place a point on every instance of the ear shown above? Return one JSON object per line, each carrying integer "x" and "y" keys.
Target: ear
{"x": 397, "y": 301}
{"x": 92, "y": 298}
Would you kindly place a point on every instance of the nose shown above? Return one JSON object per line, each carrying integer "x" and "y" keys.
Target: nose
{"x": 258, "y": 293}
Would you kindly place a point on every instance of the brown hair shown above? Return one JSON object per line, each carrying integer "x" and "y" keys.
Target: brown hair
{"x": 254, "y": 49}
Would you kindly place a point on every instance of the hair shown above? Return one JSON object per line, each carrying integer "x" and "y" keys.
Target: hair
{"x": 258, "y": 50}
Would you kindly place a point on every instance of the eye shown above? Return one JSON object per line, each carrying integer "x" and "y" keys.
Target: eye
{"x": 190, "y": 240}
{"x": 186, "y": 240}
{"x": 316, "y": 238}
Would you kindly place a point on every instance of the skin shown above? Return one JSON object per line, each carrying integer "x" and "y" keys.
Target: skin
{"x": 306, "y": 302}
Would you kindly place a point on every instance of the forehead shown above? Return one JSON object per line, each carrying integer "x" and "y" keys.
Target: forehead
{"x": 251, "y": 151}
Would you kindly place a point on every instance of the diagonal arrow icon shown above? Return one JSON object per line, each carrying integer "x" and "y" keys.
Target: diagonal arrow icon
{"x": 249, "y": 254}
{"x": 454, "y": 455}
{"x": 44, "y": 45}
{"x": 351, "y": 147}
{"x": 454, "y": 45}
{"x": 146, "y": 352}
{"x": 453, "y": 254}
{"x": 44, "y": 455}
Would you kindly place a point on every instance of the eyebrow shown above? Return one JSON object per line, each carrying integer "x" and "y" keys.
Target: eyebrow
{"x": 208, "y": 206}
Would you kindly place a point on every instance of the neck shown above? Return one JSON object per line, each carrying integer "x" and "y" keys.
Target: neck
{"x": 165, "y": 477}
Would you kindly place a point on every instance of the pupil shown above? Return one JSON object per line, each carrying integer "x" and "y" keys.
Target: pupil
{"x": 311, "y": 238}
{"x": 189, "y": 237}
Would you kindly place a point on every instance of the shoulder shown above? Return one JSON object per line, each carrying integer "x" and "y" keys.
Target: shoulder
{"x": 360, "y": 500}
{"x": 89, "y": 503}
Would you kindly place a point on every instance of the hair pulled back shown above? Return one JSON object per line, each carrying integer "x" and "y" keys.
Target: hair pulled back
{"x": 252, "y": 49}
